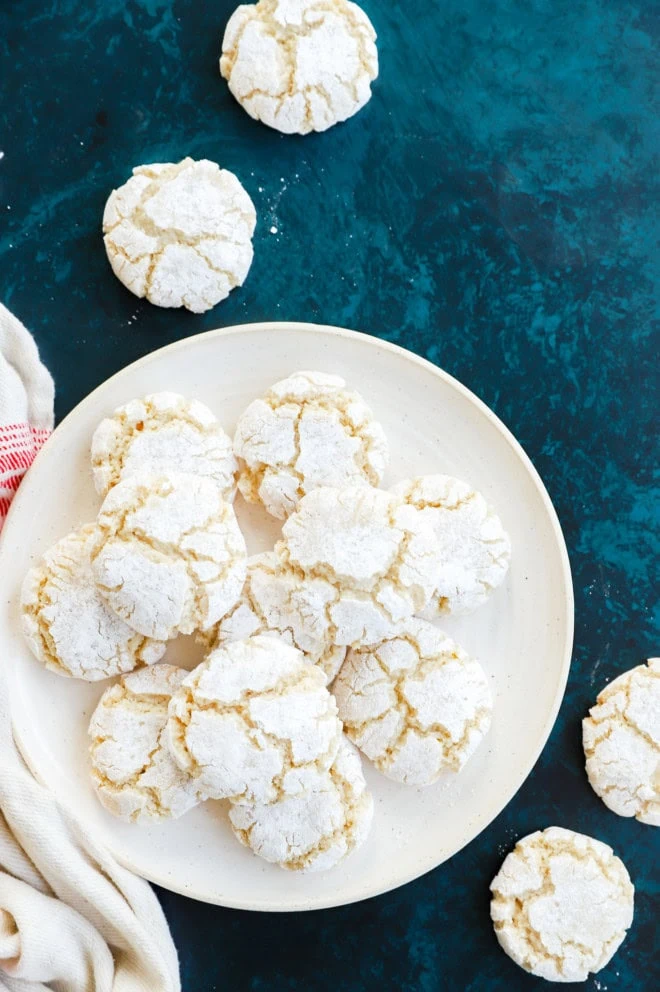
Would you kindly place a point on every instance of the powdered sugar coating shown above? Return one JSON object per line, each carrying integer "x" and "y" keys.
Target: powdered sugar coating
{"x": 320, "y": 818}
{"x": 169, "y": 556}
{"x": 68, "y": 625}
{"x": 133, "y": 773}
{"x": 561, "y": 904}
{"x": 621, "y": 738}
{"x": 163, "y": 432}
{"x": 307, "y": 431}
{"x": 180, "y": 233}
{"x": 300, "y": 65}
{"x": 475, "y": 550}
{"x": 277, "y": 600}
{"x": 380, "y": 557}
{"x": 250, "y": 714}
{"x": 415, "y": 704}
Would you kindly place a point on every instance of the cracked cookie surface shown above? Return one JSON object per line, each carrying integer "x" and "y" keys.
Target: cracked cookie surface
{"x": 180, "y": 234}
{"x": 621, "y": 738}
{"x": 275, "y": 599}
{"x": 307, "y": 431}
{"x": 474, "y": 547}
{"x": 561, "y": 904}
{"x": 319, "y": 819}
{"x": 300, "y": 65}
{"x": 163, "y": 432}
{"x": 415, "y": 704}
{"x": 380, "y": 558}
{"x": 67, "y": 623}
{"x": 168, "y": 554}
{"x": 249, "y": 715}
{"x": 133, "y": 773}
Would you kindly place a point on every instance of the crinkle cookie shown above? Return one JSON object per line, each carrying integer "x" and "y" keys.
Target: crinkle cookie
{"x": 380, "y": 557}
{"x": 168, "y": 555}
{"x": 415, "y": 704}
{"x": 68, "y": 625}
{"x": 318, "y": 820}
{"x": 248, "y": 715}
{"x": 475, "y": 550}
{"x": 180, "y": 233}
{"x": 300, "y": 65}
{"x": 307, "y": 431}
{"x": 276, "y": 600}
{"x": 621, "y": 738}
{"x": 133, "y": 773}
{"x": 561, "y": 904}
{"x": 163, "y": 432}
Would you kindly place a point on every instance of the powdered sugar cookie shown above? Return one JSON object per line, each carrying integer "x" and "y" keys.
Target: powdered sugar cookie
{"x": 561, "y": 905}
{"x": 307, "y": 431}
{"x": 300, "y": 65}
{"x": 68, "y": 625}
{"x": 163, "y": 432}
{"x": 621, "y": 739}
{"x": 180, "y": 233}
{"x": 379, "y": 556}
{"x": 248, "y": 715}
{"x": 416, "y": 704}
{"x": 318, "y": 820}
{"x": 475, "y": 550}
{"x": 276, "y": 599}
{"x": 168, "y": 555}
{"x": 133, "y": 773}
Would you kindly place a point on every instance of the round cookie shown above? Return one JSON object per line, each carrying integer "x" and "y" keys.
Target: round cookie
{"x": 300, "y": 65}
{"x": 474, "y": 547}
{"x": 320, "y": 818}
{"x": 561, "y": 904}
{"x": 168, "y": 555}
{"x": 68, "y": 625}
{"x": 381, "y": 558}
{"x": 248, "y": 715}
{"x": 307, "y": 431}
{"x": 621, "y": 738}
{"x": 133, "y": 773}
{"x": 277, "y": 600}
{"x": 163, "y": 432}
{"x": 180, "y": 234}
{"x": 415, "y": 704}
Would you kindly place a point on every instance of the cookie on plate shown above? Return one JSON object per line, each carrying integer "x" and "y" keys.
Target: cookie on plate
{"x": 252, "y": 712}
{"x": 163, "y": 432}
{"x": 168, "y": 555}
{"x": 68, "y": 624}
{"x": 307, "y": 431}
{"x": 381, "y": 559}
{"x": 133, "y": 772}
{"x": 300, "y": 65}
{"x": 561, "y": 904}
{"x": 180, "y": 234}
{"x": 320, "y": 817}
{"x": 621, "y": 738}
{"x": 475, "y": 550}
{"x": 415, "y": 704}
{"x": 277, "y": 600}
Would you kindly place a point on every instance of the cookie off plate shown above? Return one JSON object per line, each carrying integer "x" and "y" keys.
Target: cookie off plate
{"x": 522, "y": 636}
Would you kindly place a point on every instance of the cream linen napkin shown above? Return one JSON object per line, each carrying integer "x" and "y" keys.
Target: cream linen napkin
{"x": 71, "y": 918}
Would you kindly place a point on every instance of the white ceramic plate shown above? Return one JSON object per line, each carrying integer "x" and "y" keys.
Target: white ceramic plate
{"x": 523, "y": 636}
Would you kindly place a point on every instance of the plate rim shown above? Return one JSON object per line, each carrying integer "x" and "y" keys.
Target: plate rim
{"x": 568, "y": 596}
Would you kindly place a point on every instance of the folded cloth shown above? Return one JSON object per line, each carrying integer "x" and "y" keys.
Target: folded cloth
{"x": 71, "y": 918}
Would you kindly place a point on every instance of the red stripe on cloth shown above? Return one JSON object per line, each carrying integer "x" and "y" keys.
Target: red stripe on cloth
{"x": 19, "y": 444}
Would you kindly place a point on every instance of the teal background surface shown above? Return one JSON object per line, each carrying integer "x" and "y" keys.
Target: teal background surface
{"x": 495, "y": 209}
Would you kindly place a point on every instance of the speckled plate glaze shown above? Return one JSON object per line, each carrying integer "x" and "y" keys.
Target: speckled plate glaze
{"x": 523, "y": 636}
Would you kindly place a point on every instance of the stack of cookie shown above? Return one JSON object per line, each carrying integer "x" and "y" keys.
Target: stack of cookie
{"x": 325, "y": 640}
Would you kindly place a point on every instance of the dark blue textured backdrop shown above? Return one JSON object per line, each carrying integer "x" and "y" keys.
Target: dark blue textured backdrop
{"x": 494, "y": 208}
